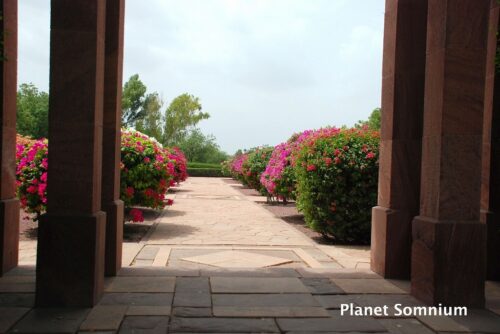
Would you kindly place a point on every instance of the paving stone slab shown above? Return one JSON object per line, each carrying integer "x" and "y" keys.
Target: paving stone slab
{"x": 237, "y": 259}
{"x": 334, "y": 301}
{"x": 362, "y": 285}
{"x": 13, "y": 284}
{"x": 157, "y": 271}
{"x": 17, "y": 299}
{"x": 320, "y": 286}
{"x": 51, "y": 320}
{"x": 104, "y": 317}
{"x": 22, "y": 270}
{"x": 335, "y": 323}
{"x": 336, "y": 273}
{"x": 222, "y": 325}
{"x": 257, "y": 285}
{"x": 144, "y": 325}
{"x": 266, "y": 272}
{"x": 192, "y": 284}
{"x": 137, "y": 299}
{"x": 264, "y": 300}
{"x": 405, "y": 326}
{"x": 149, "y": 310}
{"x": 480, "y": 321}
{"x": 142, "y": 284}
{"x": 10, "y": 315}
{"x": 192, "y": 299}
{"x": 147, "y": 253}
{"x": 443, "y": 324}
{"x": 269, "y": 312}
{"x": 192, "y": 312}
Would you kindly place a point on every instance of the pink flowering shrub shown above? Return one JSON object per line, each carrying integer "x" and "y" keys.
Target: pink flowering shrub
{"x": 279, "y": 176}
{"x": 180, "y": 163}
{"x": 337, "y": 174}
{"x": 31, "y": 174}
{"x": 147, "y": 171}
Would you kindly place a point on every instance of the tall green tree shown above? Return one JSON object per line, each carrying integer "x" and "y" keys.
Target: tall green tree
{"x": 201, "y": 148}
{"x": 183, "y": 113}
{"x": 133, "y": 98}
{"x": 32, "y": 111}
{"x": 374, "y": 120}
{"x": 151, "y": 123}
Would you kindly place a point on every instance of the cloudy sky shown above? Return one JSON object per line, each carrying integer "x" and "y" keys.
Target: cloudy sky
{"x": 263, "y": 69}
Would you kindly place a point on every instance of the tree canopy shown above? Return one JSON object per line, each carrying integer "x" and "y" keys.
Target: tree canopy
{"x": 133, "y": 98}
{"x": 183, "y": 113}
{"x": 374, "y": 121}
{"x": 32, "y": 111}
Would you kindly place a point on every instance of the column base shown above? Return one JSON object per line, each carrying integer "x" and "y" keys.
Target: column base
{"x": 9, "y": 234}
{"x": 391, "y": 243}
{"x": 114, "y": 237}
{"x": 448, "y": 262}
{"x": 70, "y": 260}
{"x": 492, "y": 222}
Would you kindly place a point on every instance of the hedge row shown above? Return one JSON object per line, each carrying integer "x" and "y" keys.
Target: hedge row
{"x": 205, "y": 172}
{"x": 332, "y": 173}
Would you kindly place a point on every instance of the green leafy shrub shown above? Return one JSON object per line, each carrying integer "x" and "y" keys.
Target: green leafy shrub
{"x": 337, "y": 172}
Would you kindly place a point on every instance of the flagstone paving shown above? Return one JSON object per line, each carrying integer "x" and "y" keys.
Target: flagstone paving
{"x": 177, "y": 280}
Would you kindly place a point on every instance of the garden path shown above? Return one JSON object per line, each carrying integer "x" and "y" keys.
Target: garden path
{"x": 213, "y": 224}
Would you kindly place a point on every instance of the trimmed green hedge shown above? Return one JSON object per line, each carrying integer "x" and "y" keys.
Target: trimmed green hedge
{"x": 203, "y": 165}
{"x": 206, "y": 172}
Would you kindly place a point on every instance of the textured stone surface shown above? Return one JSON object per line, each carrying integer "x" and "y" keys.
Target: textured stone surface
{"x": 366, "y": 286}
{"x": 104, "y": 317}
{"x": 137, "y": 299}
{"x": 257, "y": 285}
{"x": 336, "y": 323}
{"x": 144, "y": 324}
{"x": 141, "y": 284}
{"x": 9, "y": 316}
{"x": 48, "y": 320}
{"x": 192, "y": 312}
{"x": 237, "y": 259}
{"x": 223, "y": 325}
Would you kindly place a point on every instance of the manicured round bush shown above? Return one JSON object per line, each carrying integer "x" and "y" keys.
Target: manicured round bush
{"x": 337, "y": 173}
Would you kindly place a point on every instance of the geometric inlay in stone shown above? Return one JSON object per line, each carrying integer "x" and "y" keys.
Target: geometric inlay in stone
{"x": 237, "y": 259}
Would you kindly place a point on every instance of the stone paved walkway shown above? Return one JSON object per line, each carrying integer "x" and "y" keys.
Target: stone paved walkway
{"x": 214, "y": 225}
{"x": 210, "y": 267}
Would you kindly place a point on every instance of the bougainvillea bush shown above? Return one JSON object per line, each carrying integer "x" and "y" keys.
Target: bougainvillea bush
{"x": 336, "y": 172}
{"x": 180, "y": 163}
{"x": 279, "y": 175}
{"x": 147, "y": 171}
{"x": 31, "y": 174}
{"x": 253, "y": 167}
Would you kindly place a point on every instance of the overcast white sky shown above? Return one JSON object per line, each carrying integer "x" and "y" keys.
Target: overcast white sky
{"x": 263, "y": 69}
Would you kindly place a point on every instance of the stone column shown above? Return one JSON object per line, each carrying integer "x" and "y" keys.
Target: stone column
{"x": 403, "y": 82}
{"x": 448, "y": 250}
{"x": 111, "y": 203}
{"x": 70, "y": 263}
{"x": 490, "y": 191}
{"x": 9, "y": 204}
